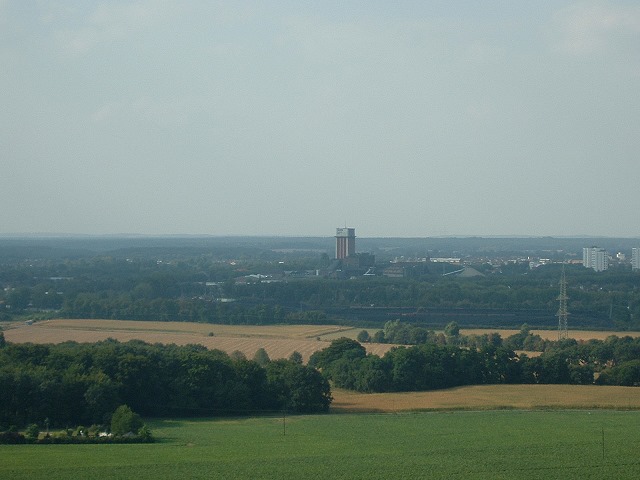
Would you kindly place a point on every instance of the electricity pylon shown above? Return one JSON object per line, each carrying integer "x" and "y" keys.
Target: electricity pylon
{"x": 562, "y": 307}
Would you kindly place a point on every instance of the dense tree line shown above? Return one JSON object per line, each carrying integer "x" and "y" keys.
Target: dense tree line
{"x": 611, "y": 295}
{"x": 192, "y": 289}
{"x": 615, "y": 361}
{"x": 72, "y": 383}
{"x": 404, "y": 333}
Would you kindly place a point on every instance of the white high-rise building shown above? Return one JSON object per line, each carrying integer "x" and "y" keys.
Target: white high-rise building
{"x": 635, "y": 258}
{"x": 596, "y": 258}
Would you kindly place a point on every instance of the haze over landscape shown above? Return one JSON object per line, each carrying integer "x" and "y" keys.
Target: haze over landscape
{"x": 292, "y": 118}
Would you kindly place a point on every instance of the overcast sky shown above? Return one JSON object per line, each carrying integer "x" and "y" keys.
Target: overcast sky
{"x": 404, "y": 118}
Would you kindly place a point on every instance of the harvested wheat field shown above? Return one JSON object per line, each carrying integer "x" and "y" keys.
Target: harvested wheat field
{"x": 491, "y": 397}
{"x": 504, "y": 333}
{"x": 553, "y": 334}
{"x": 279, "y": 341}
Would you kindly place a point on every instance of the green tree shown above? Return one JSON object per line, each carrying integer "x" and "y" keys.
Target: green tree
{"x": 341, "y": 348}
{"x": 378, "y": 337}
{"x": 32, "y": 432}
{"x": 627, "y": 374}
{"x": 254, "y": 379}
{"x": 373, "y": 375}
{"x": 363, "y": 337}
{"x": 298, "y": 388}
{"x": 19, "y": 298}
{"x": 261, "y": 357}
{"x": 396, "y": 331}
{"x": 452, "y": 330}
{"x": 555, "y": 369}
{"x": 101, "y": 397}
{"x": 237, "y": 356}
{"x": 125, "y": 420}
{"x": 145, "y": 433}
{"x": 296, "y": 357}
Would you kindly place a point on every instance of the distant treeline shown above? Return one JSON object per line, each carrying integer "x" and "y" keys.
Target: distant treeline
{"x": 429, "y": 366}
{"x": 199, "y": 289}
{"x": 81, "y": 384}
{"x": 18, "y": 247}
{"x": 404, "y": 333}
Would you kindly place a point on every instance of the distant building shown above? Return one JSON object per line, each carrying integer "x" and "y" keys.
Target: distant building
{"x": 469, "y": 272}
{"x": 406, "y": 269}
{"x": 446, "y": 260}
{"x": 359, "y": 261}
{"x": 345, "y": 242}
{"x": 635, "y": 258}
{"x": 348, "y": 263}
{"x": 596, "y": 258}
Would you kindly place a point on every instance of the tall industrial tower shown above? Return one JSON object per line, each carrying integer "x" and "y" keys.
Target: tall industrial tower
{"x": 345, "y": 242}
{"x": 562, "y": 310}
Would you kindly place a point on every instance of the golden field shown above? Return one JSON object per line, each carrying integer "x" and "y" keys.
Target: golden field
{"x": 504, "y": 333}
{"x": 279, "y": 341}
{"x": 491, "y": 397}
{"x": 553, "y": 334}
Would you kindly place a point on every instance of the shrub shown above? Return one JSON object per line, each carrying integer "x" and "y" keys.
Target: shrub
{"x": 12, "y": 438}
{"x": 32, "y": 432}
{"x": 124, "y": 420}
{"x": 145, "y": 434}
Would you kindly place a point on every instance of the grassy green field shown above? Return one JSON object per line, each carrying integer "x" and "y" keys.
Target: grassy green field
{"x": 489, "y": 444}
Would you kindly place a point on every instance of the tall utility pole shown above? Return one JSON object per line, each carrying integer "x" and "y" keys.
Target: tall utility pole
{"x": 562, "y": 307}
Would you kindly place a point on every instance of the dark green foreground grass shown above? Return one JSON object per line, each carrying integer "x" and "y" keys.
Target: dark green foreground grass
{"x": 495, "y": 445}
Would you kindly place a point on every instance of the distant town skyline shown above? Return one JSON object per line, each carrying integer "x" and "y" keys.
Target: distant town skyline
{"x": 403, "y": 119}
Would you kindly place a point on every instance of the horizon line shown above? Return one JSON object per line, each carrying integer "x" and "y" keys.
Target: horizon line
{"x": 234, "y": 235}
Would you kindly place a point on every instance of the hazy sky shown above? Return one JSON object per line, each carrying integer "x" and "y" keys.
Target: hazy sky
{"x": 403, "y": 118}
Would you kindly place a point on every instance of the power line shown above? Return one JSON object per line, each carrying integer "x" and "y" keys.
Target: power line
{"x": 562, "y": 314}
